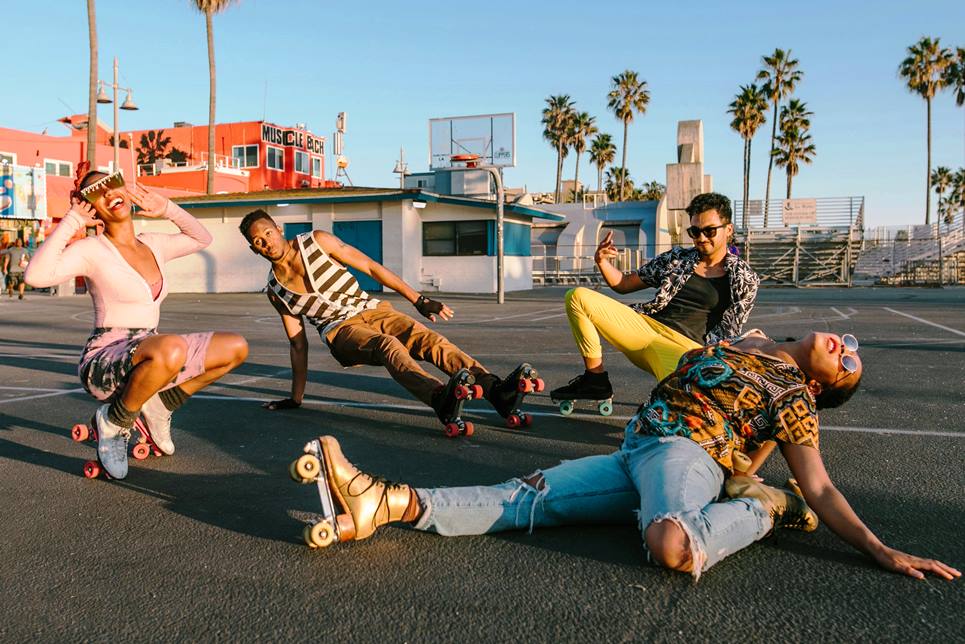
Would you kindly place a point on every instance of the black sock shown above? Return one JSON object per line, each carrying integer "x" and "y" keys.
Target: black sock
{"x": 173, "y": 398}
{"x": 120, "y": 415}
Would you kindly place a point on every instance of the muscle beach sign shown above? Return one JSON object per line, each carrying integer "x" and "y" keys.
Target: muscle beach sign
{"x": 292, "y": 138}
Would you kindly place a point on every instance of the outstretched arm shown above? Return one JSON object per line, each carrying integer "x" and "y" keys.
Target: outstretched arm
{"x": 351, "y": 256}
{"x": 836, "y": 513}
{"x": 55, "y": 262}
{"x": 298, "y": 350}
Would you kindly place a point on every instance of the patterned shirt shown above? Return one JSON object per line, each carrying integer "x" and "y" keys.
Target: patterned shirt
{"x": 336, "y": 295}
{"x": 726, "y": 400}
{"x": 669, "y": 271}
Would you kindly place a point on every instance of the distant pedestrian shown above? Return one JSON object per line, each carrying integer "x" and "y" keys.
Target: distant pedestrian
{"x": 15, "y": 260}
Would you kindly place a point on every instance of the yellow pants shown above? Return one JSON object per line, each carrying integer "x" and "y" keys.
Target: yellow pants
{"x": 652, "y": 346}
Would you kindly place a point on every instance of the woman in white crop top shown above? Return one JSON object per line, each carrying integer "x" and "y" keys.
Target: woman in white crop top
{"x": 126, "y": 362}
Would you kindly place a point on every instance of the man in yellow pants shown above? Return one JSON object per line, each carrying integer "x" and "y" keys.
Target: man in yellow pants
{"x": 704, "y": 294}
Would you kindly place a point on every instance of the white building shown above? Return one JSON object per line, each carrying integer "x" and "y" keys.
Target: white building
{"x": 434, "y": 242}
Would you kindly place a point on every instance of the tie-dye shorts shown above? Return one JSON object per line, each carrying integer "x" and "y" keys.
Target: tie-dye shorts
{"x": 108, "y": 359}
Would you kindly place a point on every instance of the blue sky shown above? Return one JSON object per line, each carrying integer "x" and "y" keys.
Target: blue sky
{"x": 394, "y": 65}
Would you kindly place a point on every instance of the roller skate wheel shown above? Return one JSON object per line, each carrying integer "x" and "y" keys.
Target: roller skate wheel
{"x": 461, "y": 392}
{"x": 141, "y": 451}
{"x": 452, "y": 430}
{"x": 513, "y": 421}
{"x": 527, "y": 420}
{"x": 306, "y": 468}
{"x": 524, "y": 386}
{"x": 477, "y": 392}
{"x": 320, "y": 535}
{"x": 468, "y": 429}
{"x": 80, "y": 432}
{"x": 540, "y": 385}
{"x": 92, "y": 469}
{"x": 566, "y": 407}
{"x": 606, "y": 408}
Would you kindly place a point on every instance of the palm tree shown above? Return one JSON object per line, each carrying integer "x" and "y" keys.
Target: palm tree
{"x": 209, "y": 8}
{"x": 780, "y": 75}
{"x": 617, "y": 181}
{"x": 925, "y": 73}
{"x": 557, "y": 116}
{"x": 602, "y": 153}
{"x": 582, "y": 126}
{"x": 794, "y": 146}
{"x": 955, "y": 76}
{"x": 749, "y": 109}
{"x": 92, "y": 86}
{"x": 941, "y": 180}
{"x": 628, "y": 94}
{"x": 650, "y": 191}
{"x": 957, "y": 195}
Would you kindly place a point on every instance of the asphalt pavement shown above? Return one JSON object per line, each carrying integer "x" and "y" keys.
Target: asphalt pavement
{"x": 206, "y": 545}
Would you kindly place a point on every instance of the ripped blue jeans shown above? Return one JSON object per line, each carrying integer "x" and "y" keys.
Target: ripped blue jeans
{"x": 649, "y": 479}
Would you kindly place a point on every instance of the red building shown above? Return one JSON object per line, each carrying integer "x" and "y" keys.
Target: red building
{"x": 249, "y": 156}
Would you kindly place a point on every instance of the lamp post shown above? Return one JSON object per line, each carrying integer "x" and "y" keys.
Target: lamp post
{"x": 128, "y": 104}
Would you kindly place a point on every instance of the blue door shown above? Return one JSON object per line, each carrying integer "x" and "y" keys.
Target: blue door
{"x": 294, "y": 230}
{"x": 367, "y": 237}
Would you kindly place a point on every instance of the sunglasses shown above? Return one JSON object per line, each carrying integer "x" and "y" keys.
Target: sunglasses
{"x": 707, "y": 231}
{"x": 92, "y": 192}
{"x": 850, "y": 363}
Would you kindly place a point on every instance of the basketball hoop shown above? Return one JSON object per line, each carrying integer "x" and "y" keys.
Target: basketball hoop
{"x": 471, "y": 160}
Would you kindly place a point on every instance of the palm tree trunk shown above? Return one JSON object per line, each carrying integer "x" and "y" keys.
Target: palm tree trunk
{"x": 770, "y": 164}
{"x": 599, "y": 178}
{"x": 624, "y": 174}
{"x": 211, "y": 101}
{"x": 92, "y": 86}
{"x": 576, "y": 177}
{"x": 928, "y": 170}
{"x": 790, "y": 178}
{"x": 747, "y": 182}
{"x": 559, "y": 172}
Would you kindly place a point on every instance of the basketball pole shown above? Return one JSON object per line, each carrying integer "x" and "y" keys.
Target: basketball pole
{"x": 500, "y": 287}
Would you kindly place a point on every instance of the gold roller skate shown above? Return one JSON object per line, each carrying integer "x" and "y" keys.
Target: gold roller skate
{"x": 786, "y": 507}
{"x": 354, "y": 503}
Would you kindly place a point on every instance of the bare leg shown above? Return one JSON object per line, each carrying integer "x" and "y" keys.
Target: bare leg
{"x": 225, "y": 352}
{"x": 157, "y": 361}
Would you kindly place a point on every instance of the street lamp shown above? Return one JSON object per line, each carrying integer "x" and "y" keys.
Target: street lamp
{"x": 128, "y": 104}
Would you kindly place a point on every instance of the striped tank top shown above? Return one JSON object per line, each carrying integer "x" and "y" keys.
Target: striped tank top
{"x": 336, "y": 295}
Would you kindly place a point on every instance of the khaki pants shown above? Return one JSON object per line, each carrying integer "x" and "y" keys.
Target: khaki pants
{"x": 382, "y": 336}
{"x": 652, "y": 346}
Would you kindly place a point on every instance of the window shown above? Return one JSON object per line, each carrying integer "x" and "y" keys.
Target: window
{"x": 8, "y": 157}
{"x": 454, "y": 238}
{"x": 246, "y": 155}
{"x": 275, "y": 158}
{"x": 57, "y": 168}
{"x": 317, "y": 167}
{"x": 301, "y": 162}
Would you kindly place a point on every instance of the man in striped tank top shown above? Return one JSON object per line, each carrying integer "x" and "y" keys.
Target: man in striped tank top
{"x": 309, "y": 281}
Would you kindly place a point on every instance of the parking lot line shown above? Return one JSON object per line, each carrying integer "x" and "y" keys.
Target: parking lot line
{"x": 924, "y": 321}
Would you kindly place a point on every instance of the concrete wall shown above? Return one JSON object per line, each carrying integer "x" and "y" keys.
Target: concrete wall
{"x": 229, "y": 266}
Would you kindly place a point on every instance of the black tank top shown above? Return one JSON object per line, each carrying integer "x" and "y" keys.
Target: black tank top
{"x": 697, "y": 307}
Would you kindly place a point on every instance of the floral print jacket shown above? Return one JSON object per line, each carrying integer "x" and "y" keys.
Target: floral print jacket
{"x": 668, "y": 272}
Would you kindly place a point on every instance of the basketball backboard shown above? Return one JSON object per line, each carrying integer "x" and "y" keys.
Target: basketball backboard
{"x": 490, "y": 136}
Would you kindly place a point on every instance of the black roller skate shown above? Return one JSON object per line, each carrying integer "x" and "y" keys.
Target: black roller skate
{"x": 448, "y": 402}
{"x": 586, "y": 386}
{"x": 507, "y": 396}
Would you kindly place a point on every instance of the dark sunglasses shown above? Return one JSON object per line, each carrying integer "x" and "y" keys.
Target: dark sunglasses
{"x": 707, "y": 231}
{"x": 92, "y": 192}
{"x": 850, "y": 363}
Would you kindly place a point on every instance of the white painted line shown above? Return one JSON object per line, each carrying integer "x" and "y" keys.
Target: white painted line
{"x": 63, "y": 392}
{"x": 27, "y": 356}
{"x": 555, "y": 309}
{"x": 29, "y": 389}
{"x": 548, "y": 317}
{"x": 843, "y": 316}
{"x": 549, "y": 414}
{"x": 924, "y": 321}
